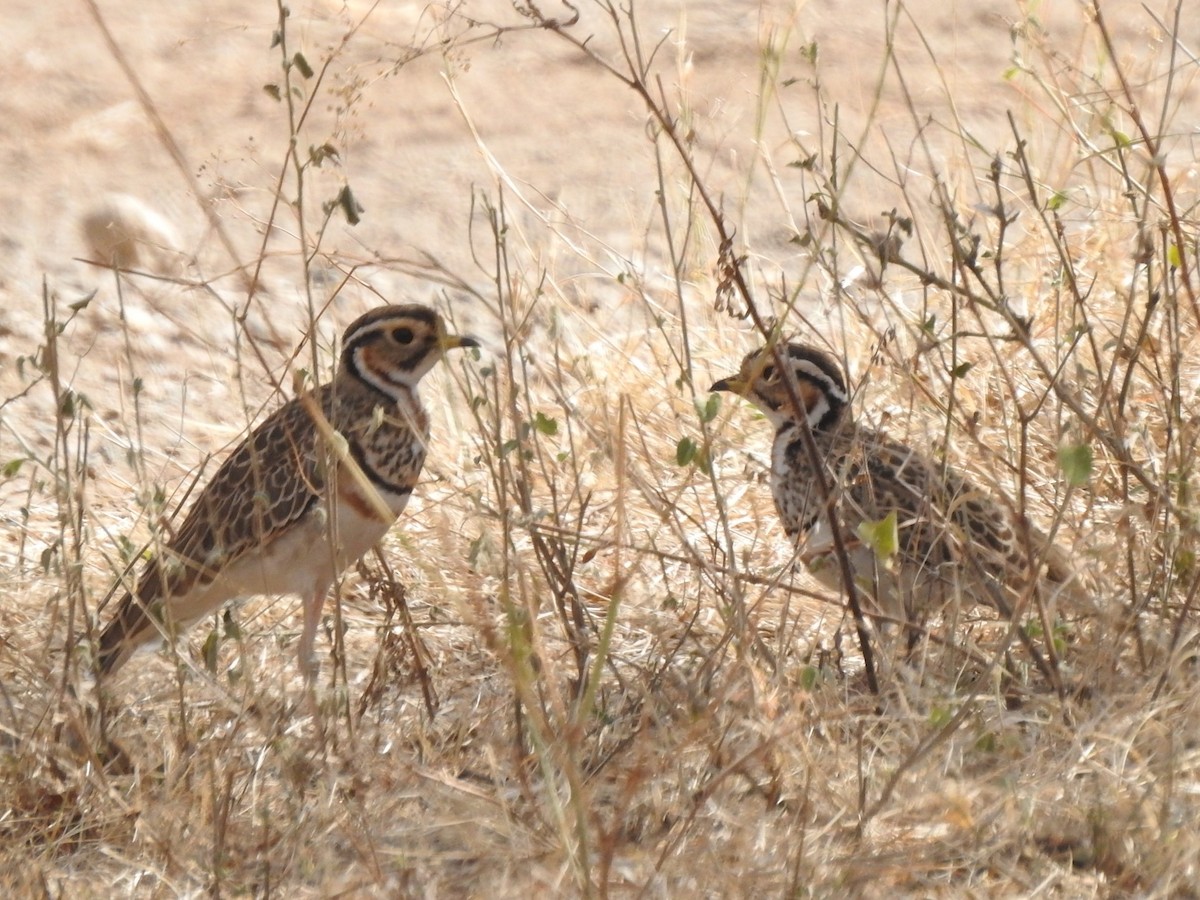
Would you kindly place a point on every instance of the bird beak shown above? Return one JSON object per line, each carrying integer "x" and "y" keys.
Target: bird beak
{"x": 732, "y": 383}
{"x": 454, "y": 341}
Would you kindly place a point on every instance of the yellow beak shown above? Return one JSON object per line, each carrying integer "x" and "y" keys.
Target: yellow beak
{"x": 733, "y": 383}
{"x": 454, "y": 341}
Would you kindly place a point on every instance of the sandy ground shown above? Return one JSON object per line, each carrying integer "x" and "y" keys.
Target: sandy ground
{"x": 417, "y": 140}
{"x": 567, "y": 134}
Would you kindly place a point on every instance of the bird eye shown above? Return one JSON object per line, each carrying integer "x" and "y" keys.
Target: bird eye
{"x": 768, "y": 373}
{"x": 402, "y": 335}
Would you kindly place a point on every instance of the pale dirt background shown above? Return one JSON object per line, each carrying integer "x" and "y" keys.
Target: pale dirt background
{"x": 572, "y": 139}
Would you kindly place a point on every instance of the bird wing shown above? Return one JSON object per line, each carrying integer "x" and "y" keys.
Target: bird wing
{"x": 269, "y": 482}
{"x": 262, "y": 488}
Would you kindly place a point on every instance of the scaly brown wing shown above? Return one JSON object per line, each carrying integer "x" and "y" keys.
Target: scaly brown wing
{"x": 267, "y": 484}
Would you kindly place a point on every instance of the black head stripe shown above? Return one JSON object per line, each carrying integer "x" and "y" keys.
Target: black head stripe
{"x": 367, "y": 327}
{"x": 821, "y": 360}
{"x": 821, "y": 370}
{"x": 372, "y": 328}
{"x": 367, "y": 323}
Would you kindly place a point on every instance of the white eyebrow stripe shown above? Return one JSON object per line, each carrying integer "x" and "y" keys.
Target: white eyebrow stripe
{"x": 815, "y": 372}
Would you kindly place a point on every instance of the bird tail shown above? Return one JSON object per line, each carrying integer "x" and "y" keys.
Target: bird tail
{"x": 133, "y": 625}
{"x": 1063, "y": 575}
{"x": 115, "y": 641}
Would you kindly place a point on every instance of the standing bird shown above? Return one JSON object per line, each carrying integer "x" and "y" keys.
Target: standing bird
{"x": 952, "y": 540}
{"x": 311, "y": 490}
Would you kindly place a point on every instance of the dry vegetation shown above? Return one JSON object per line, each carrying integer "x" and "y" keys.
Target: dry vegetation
{"x": 584, "y": 663}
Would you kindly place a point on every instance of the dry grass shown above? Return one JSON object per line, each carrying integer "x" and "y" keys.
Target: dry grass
{"x": 584, "y": 663}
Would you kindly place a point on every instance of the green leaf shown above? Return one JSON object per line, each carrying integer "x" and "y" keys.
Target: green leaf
{"x": 1060, "y": 643}
{"x": 685, "y": 451}
{"x": 272, "y": 91}
{"x": 1184, "y": 563}
{"x": 212, "y": 644}
{"x": 351, "y": 208}
{"x": 883, "y": 536}
{"x": 708, "y": 409}
{"x": 233, "y": 631}
{"x": 82, "y": 302}
{"x": 1173, "y": 256}
{"x": 126, "y": 548}
{"x": 545, "y": 425}
{"x": 473, "y": 551}
{"x": 1075, "y": 460}
{"x": 1056, "y": 202}
{"x": 301, "y": 63}
{"x": 12, "y": 467}
{"x": 318, "y": 155}
{"x": 809, "y": 676}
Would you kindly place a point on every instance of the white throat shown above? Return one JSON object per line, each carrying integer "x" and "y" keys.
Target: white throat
{"x": 400, "y": 386}
{"x": 817, "y": 413}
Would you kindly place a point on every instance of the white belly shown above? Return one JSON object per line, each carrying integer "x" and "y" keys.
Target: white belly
{"x": 301, "y": 561}
{"x": 902, "y": 590}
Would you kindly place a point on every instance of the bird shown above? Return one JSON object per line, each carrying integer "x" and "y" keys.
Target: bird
{"x": 314, "y": 487}
{"x": 918, "y": 534}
